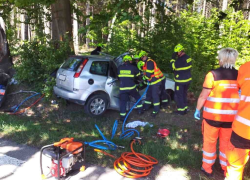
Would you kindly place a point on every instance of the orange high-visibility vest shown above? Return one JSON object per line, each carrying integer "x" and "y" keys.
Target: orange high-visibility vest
{"x": 157, "y": 72}
{"x": 222, "y": 103}
{"x": 241, "y": 124}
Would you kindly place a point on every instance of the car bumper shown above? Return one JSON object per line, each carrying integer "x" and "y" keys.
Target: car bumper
{"x": 73, "y": 96}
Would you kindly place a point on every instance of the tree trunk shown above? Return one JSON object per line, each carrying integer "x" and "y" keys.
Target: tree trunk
{"x": 111, "y": 27}
{"x": 61, "y": 21}
{"x": 5, "y": 58}
{"x": 87, "y": 22}
{"x": 75, "y": 32}
{"x": 224, "y": 5}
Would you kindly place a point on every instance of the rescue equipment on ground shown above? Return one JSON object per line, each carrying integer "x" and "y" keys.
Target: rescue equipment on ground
{"x": 133, "y": 164}
{"x": 163, "y": 133}
{"x": 64, "y": 154}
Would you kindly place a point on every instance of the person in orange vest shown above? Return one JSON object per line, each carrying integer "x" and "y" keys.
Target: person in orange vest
{"x": 239, "y": 145}
{"x": 220, "y": 99}
{"x": 155, "y": 77}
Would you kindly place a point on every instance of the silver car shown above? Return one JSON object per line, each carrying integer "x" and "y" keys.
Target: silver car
{"x": 92, "y": 81}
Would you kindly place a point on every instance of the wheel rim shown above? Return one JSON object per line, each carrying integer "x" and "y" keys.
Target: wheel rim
{"x": 97, "y": 106}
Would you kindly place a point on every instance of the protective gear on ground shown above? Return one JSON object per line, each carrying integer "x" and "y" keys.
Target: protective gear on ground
{"x": 239, "y": 148}
{"x": 210, "y": 136}
{"x": 197, "y": 114}
{"x": 178, "y": 48}
{"x": 127, "y": 74}
{"x": 127, "y": 58}
{"x": 143, "y": 53}
{"x": 140, "y": 65}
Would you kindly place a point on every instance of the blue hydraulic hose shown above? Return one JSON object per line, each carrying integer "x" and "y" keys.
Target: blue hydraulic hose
{"x": 96, "y": 144}
{"x": 129, "y": 132}
{"x": 114, "y": 129}
{"x": 24, "y": 101}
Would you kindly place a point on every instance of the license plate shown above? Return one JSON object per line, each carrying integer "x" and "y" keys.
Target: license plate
{"x": 62, "y": 77}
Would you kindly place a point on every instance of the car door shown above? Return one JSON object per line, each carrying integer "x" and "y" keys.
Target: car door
{"x": 112, "y": 86}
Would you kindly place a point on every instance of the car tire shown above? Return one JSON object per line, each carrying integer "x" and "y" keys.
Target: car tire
{"x": 96, "y": 105}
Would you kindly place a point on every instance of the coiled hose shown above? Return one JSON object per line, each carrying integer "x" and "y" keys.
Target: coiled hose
{"x": 133, "y": 164}
{"x": 129, "y": 132}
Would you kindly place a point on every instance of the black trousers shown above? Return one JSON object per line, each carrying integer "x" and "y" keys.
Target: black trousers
{"x": 181, "y": 96}
{"x": 164, "y": 96}
{"x": 124, "y": 98}
{"x": 153, "y": 95}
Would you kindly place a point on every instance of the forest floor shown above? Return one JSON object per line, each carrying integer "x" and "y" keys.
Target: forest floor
{"x": 48, "y": 122}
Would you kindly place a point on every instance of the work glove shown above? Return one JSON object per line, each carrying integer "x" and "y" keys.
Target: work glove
{"x": 141, "y": 84}
{"x": 197, "y": 114}
{"x": 174, "y": 55}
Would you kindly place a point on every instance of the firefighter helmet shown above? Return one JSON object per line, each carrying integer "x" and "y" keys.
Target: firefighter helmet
{"x": 178, "y": 48}
{"x": 127, "y": 58}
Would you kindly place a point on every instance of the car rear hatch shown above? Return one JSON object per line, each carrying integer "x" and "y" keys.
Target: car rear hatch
{"x": 68, "y": 71}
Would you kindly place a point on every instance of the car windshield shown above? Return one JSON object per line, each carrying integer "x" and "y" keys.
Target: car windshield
{"x": 118, "y": 59}
{"x": 72, "y": 63}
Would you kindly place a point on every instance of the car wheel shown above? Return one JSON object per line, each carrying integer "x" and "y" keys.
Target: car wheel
{"x": 96, "y": 105}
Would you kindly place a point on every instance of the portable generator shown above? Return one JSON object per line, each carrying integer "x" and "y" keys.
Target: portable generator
{"x": 64, "y": 154}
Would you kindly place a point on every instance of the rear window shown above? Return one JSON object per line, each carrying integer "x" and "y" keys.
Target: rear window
{"x": 72, "y": 63}
{"x": 99, "y": 68}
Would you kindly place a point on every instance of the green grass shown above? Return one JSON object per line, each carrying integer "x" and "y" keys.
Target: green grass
{"x": 181, "y": 149}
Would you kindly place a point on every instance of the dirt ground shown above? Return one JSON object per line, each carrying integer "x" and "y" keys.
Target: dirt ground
{"x": 187, "y": 126}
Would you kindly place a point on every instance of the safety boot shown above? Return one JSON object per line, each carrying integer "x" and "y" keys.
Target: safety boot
{"x": 206, "y": 173}
{"x": 153, "y": 114}
{"x": 179, "y": 113}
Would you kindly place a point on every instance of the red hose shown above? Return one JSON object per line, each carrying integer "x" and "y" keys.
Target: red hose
{"x": 133, "y": 164}
{"x": 23, "y": 110}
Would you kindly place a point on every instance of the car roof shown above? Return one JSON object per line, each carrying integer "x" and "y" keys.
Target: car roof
{"x": 94, "y": 57}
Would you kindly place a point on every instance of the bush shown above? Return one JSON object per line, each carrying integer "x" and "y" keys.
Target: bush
{"x": 38, "y": 60}
{"x": 202, "y": 38}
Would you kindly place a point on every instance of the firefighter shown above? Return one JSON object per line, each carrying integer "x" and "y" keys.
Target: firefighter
{"x": 127, "y": 74}
{"x": 220, "y": 99}
{"x": 154, "y": 76}
{"x": 182, "y": 76}
{"x": 239, "y": 145}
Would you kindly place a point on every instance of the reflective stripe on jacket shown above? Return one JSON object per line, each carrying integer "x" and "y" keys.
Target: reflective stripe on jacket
{"x": 182, "y": 69}
{"x": 223, "y": 101}
{"x": 127, "y": 74}
{"x": 241, "y": 125}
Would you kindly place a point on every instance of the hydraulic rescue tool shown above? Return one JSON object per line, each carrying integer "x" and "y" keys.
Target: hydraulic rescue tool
{"x": 64, "y": 154}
